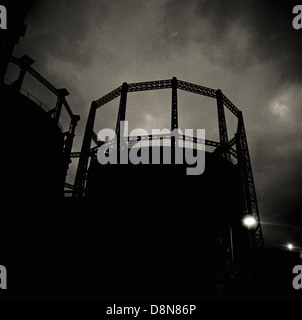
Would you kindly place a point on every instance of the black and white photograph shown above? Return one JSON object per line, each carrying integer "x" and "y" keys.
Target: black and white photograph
{"x": 151, "y": 153}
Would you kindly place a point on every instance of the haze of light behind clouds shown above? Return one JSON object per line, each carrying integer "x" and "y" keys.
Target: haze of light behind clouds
{"x": 246, "y": 48}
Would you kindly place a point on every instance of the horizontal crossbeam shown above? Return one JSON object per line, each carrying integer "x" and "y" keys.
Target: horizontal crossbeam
{"x": 194, "y": 88}
{"x": 149, "y": 85}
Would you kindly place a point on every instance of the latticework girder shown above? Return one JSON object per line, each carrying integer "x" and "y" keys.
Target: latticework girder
{"x": 249, "y": 199}
{"x": 194, "y": 88}
{"x": 149, "y": 85}
{"x": 108, "y": 97}
{"x": 224, "y": 147}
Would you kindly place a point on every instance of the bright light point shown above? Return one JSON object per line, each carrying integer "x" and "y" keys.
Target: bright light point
{"x": 249, "y": 221}
{"x": 290, "y": 246}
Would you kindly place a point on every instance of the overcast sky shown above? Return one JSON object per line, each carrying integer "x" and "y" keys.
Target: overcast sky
{"x": 248, "y": 49}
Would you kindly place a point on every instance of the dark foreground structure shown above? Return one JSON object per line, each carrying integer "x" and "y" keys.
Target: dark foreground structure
{"x": 131, "y": 231}
{"x": 126, "y": 231}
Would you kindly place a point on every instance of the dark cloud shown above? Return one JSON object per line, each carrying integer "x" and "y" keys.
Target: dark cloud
{"x": 62, "y": 28}
{"x": 240, "y": 36}
{"x": 241, "y": 33}
{"x": 247, "y": 48}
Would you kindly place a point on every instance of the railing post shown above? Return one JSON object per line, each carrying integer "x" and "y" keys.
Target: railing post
{"x": 25, "y": 62}
{"x": 62, "y": 93}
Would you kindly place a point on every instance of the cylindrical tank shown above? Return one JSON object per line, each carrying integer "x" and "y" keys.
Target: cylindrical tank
{"x": 157, "y": 220}
{"x": 33, "y": 149}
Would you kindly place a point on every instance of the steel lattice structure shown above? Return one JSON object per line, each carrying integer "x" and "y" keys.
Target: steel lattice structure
{"x": 224, "y": 147}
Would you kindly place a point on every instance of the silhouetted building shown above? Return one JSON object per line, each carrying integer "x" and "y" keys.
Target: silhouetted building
{"x": 129, "y": 231}
{"x": 38, "y": 147}
{"x": 16, "y": 13}
{"x": 35, "y": 159}
{"x": 185, "y": 233}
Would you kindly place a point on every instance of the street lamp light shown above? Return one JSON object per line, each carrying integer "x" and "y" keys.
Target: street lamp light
{"x": 249, "y": 221}
{"x": 290, "y": 246}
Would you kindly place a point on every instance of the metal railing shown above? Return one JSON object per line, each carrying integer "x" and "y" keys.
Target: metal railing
{"x": 30, "y": 96}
